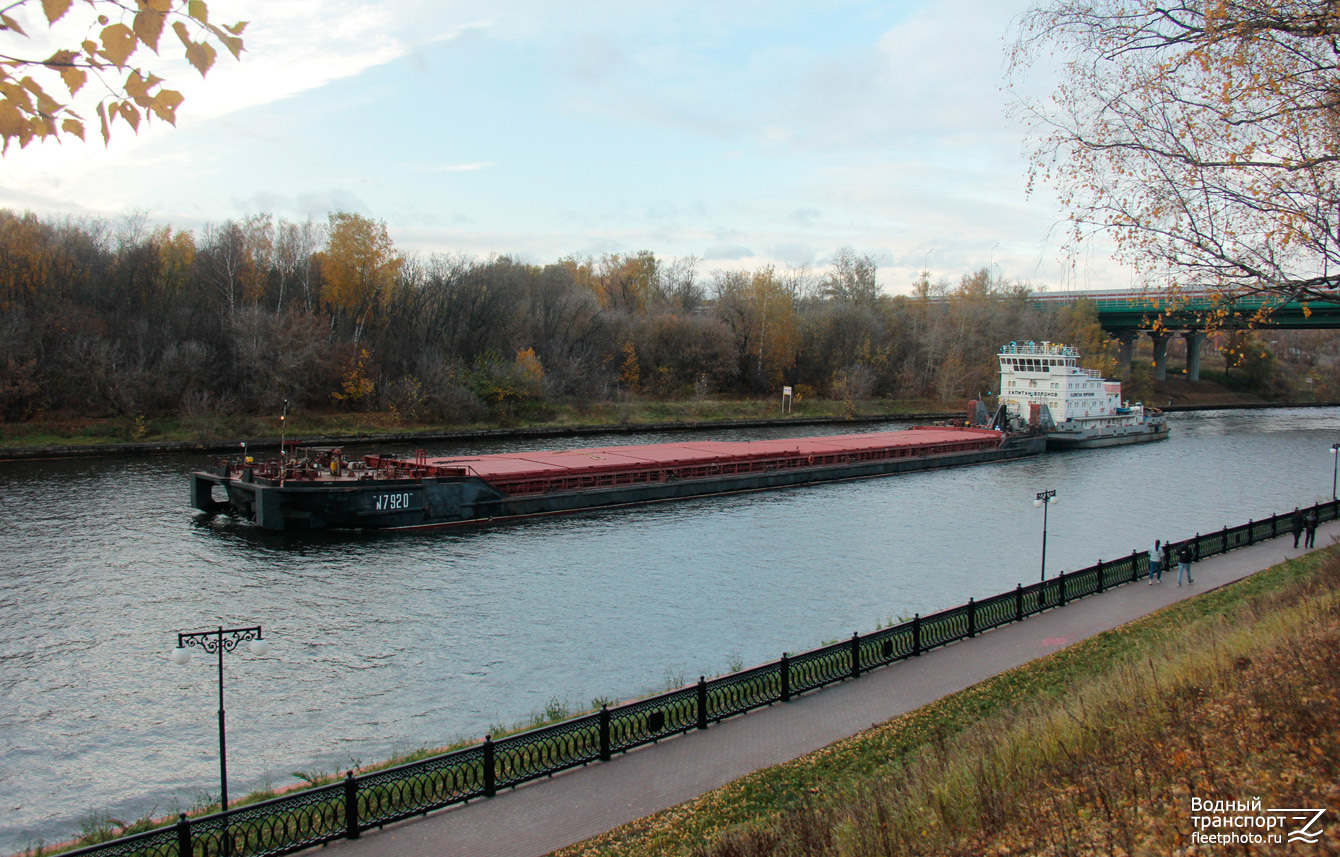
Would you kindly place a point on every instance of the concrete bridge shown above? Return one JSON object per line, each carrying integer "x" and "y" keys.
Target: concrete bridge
{"x": 1127, "y": 313}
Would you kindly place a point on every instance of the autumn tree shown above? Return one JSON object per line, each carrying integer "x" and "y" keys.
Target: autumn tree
{"x": 113, "y": 32}
{"x": 1201, "y": 135}
{"x": 851, "y": 278}
{"x": 759, "y": 309}
{"x": 360, "y": 265}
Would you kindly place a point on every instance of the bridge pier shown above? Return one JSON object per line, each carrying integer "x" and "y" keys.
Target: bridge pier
{"x": 1127, "y": 338}
{"x": 1194, "y": 338}
{"x": 1160, "y": 354}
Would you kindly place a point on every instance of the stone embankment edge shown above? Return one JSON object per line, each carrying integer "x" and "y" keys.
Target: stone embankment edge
{"x": 116, "y": 450}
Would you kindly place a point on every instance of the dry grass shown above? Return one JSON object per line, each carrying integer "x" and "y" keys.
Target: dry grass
{"x": 1233, "y": 696}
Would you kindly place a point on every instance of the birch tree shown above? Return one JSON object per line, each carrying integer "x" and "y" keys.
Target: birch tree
{"x": 1200, "y": 135}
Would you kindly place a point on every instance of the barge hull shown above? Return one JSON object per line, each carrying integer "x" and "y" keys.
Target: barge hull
{"x": 457, "y": 494}
{"x": 1147, "y": 433}
{"x": 458, "y": 497}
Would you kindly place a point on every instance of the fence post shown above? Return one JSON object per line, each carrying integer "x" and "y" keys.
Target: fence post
{"x": 1225, "y": 550}
{"x": 1274, "y": 524}
{"x": 702, "y": 702}
{"x": 972, "y": 618}
{"x": 1060, "y": 602}
{"x": 1018, "y": 602}
{"x": 1135, "y": 565}
{"x": 490, "y": 781}
{"x": 350, "y": 806}
{"x": 184, "y": 848}
{"x": 1100, "y": 575}
{"x": 855, "y": 655}
{"x": 916, "y": 634}
{"x": 786, "y": 678}
{"x": 1251, "y": 533}
{"x": 604, "y": 733}
{"x": 1197, "y": 544}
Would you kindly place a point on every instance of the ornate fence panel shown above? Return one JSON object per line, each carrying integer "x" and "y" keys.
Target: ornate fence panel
{"x": 540, "y": 752}
{"x": 649, "y": 720}
{"x": 418, "y": 787}
{"x": 944, "y": 627}
{"x": 886, "y": 646}
{"x": 277, "y": 826}
{"x": 819, "y": 667}
{"x": 995, "y": 611}
{"x": 744, "y": 691}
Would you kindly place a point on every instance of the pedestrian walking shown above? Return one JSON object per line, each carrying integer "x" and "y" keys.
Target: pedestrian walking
{"x": 1184, "y": 563}
{"x": 1310, "y": 526}
{"x": 1156, "y": 562}
{"x": 1296, "y": 525}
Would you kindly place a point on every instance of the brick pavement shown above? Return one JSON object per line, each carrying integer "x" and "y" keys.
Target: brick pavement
{"x": 542, "y": 816}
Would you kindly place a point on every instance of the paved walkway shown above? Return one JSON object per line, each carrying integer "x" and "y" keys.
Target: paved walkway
{"x": 543, "y": 816}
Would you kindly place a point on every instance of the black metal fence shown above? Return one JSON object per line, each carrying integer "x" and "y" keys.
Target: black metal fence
{"x": 343, "y": 810}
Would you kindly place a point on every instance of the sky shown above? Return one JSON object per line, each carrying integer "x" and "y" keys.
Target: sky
{"x": 738, "y": 133}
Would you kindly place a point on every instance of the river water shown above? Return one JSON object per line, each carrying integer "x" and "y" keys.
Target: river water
{"x": 382, "y": 643}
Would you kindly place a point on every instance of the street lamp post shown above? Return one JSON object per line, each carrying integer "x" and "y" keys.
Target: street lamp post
{"x": 1335, "y": 453}
{"x": 1045, "y": 499}
{"x": 218, "y": 642}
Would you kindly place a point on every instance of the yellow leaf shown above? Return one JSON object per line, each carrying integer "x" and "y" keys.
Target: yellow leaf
{"x": 45, "y": 103}
{"x": 198, "y": 10}
{"x": 10, "y": 24}
{"x": 106, "y": 129}
{"x": 200, "y": 55}
{"x": 54, "y": 9}
{"x": 165, "y": 105}
{"x": 137, "y": 87}
{"x": 236, "y": 29}
{"x": 12, "y": 122}
{"x": 62, "y": 62}
{"x": 130, "y": 114}
{"x": 149, "y": 26}
{"x": 118, "y": 43}
{"x": 73, "y": 126}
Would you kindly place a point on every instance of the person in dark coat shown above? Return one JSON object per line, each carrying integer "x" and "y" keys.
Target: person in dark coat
{"x": 1184, "y": 563}
{"x": 1296, "y": 525}
{"x": 1310, "y": 525}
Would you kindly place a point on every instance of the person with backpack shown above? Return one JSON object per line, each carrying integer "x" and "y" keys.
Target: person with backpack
{"x": 1296, "y": 525}
{"x": 1310, "y": 526}
{"x": 1156, "y": 562}
{"x": 1184, "y": 563}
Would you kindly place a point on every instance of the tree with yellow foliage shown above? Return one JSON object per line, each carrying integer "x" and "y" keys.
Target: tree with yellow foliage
{"x": 1202, "y": 135}
{"x": 360, "y": 266}
{"x": 118, "y": 28}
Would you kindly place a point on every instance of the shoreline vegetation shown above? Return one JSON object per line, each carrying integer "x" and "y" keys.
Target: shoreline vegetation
{"x": 1095, "y": 749}
{"x": 118, "y": 436}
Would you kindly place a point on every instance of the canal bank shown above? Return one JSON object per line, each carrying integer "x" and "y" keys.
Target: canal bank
{"x": 462, "y": 436}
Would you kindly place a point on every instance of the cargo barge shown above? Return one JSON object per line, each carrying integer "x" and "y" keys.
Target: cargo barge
{"x": 318, "y": 489}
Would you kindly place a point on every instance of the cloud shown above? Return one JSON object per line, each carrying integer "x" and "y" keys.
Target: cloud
{"x": 726, "y": 253}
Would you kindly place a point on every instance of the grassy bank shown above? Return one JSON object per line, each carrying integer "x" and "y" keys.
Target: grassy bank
{"x": 73, "y": 431}
{"x": 1097, "y": 749}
